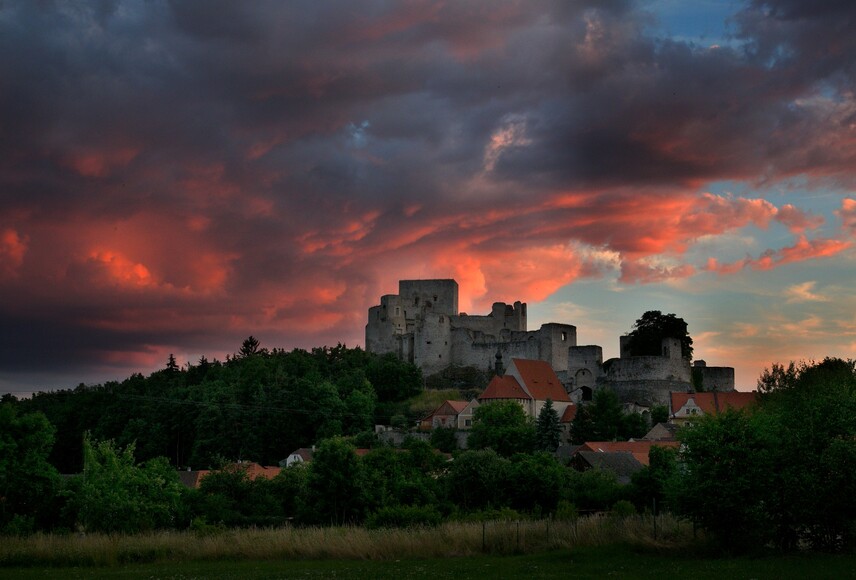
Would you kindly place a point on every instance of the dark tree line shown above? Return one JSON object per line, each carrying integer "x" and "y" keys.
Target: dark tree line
{"x": 258, "y": 405}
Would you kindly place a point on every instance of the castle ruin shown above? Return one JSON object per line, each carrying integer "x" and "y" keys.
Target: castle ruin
{"x": 421, "y": 324}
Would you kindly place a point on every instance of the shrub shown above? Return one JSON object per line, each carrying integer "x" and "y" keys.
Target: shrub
{"x": 623, "y": 509}
{"x": 567, "y": 511}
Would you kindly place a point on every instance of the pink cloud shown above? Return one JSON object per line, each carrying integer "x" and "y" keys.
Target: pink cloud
{"x": 797, "y": 220}
{"x": 847, "y": 215}
{"x": 803, "y": 249}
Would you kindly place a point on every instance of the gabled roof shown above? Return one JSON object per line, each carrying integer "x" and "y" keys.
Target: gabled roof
{"x": 569, "y": 414}
{"x": 540, "y": 380}
{"x": 305, "y": 453}
{"x": 639, "y": 449}
{"x": 621, "y": 463}
{"x": 450, "y": 408}
{"x": 712, "y": 403}
{"x": 661, "y": 432}
{"x": 254, "y": 470}
{"x": 504, "y": 387}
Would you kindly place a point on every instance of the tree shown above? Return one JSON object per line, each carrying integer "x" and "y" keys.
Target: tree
{"x": 727, "y": 478}
{"x": 651, "y": 328}
{"x": 335, "y": 484}
{"x": 746, "y": 479}
{"x": 249, "y": 347}
{"x": 659, "y": 414}
{"x": 117, "y": 495}
{"x": 27, "y": 481}
{"x": 548, "y": 430}
{"x": 502, "y": 426}
{"x": 444, "y": 439}
{"x": 475, "y": 479}
{"x": 171, "y": 365}
{"x": 601, "y": 420}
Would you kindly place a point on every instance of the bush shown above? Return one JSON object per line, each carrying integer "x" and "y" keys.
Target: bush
{"x": 404, "y": 517}
{"x": 567, "y": 511}
{"x": 623, "y": 509}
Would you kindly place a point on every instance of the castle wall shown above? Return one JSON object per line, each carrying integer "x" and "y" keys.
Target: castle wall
{"x": 478, "y": 349}
{"x": 438, "y": 296}
{"x": 646, "y": 380}
{"x": 555, "y": 340}
{"x": 584, "y": 366}
{"x": 432, "y": 349}
{"x": 718, "y": 379}
{"x": 645, "y": 367}
{"x": 502, "y": 317}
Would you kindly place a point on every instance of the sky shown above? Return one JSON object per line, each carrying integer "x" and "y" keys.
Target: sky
{"x": 176, "y": 176}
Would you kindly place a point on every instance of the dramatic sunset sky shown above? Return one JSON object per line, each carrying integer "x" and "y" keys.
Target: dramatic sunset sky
{"x": 175, "y": 176}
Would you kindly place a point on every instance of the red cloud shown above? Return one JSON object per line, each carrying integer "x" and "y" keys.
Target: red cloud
{"x": 98, "y": 163}
{"x": 12, "y": 250}
{"x": 802, "y": 250}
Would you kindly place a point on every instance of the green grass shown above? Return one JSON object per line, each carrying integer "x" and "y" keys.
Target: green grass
{"x": 585, "y": 562}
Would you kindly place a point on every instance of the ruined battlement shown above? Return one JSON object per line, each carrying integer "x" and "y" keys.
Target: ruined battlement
{"x": 421, "y": 324}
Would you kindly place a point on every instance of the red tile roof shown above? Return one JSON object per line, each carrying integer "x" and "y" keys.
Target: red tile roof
{"x": 712, "y": 403}
{"x": 540, "y": 380}
{"x": 639, "y": 449}
{"x": 504, "y": 387}
{"x": 254, "y": 470}
{"x": 569, "y": 414}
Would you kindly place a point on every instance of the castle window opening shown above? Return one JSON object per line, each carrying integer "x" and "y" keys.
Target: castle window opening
{"x": 564, "y": 336}
{"x": 416, "y": 300}
{"x": 397, "y": 311}
{"x": 435, "y": 298}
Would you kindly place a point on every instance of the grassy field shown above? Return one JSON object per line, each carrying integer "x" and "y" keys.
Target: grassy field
{"x": 579, "y": 563}
{"x": 592, "y": 547}
{"x": 454, "y": 539}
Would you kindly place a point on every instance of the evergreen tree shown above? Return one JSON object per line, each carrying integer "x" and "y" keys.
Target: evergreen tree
{"x": 249, "y": 347}
{"x": 548, "y": 431}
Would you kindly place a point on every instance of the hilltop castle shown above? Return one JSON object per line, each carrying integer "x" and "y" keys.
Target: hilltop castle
{"x": 421, "y": 324}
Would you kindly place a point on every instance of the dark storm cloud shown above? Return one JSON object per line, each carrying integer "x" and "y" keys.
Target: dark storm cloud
{"x": 185, "y": 173}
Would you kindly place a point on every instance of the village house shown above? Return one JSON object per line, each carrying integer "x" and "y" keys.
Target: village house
{"x": 531, "y": 383}
{"x": 447, "y": 416}
{"x": 193, "y": 479}
{"x": 640, "y": 450}
{"x": 686, "y": 406}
